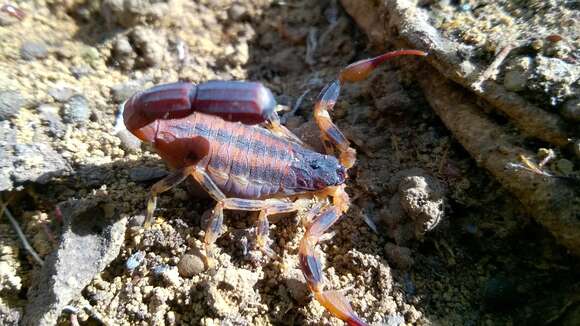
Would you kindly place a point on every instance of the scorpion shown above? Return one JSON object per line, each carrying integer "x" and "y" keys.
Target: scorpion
{"x": 228, "y": 137}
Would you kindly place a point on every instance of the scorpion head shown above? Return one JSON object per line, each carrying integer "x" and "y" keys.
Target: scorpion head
{"x": 312, "y": 171}
{"x": 169, "y": 101}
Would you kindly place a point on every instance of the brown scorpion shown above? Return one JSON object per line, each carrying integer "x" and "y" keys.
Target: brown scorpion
{"x": 228, "y": 137}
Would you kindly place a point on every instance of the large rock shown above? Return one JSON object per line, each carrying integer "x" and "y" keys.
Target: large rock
{"x": 21, "y": 162}
{"x": 92, "y": 237}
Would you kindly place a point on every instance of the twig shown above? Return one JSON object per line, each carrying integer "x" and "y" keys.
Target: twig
{"x": 20, "y": 234}
{"x": 311, "y": 45}
{"x": 492, "y": 70}
{"x": 295, "y": 107}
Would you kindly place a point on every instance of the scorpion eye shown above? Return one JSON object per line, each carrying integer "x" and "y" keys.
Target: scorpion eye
{"x": 314, "y": 165}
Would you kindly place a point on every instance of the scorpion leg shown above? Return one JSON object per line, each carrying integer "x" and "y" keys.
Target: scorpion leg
{"x": 334, "y": 301}
{"x": 163, "y": 185}
{"x": 266, "y": 207}
{"x": 332, "y": 137}
{"x": 273, "y": 124}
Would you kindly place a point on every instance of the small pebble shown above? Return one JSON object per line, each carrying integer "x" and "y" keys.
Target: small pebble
{"x": 137, "y": 220}
{"x": 31, "y": 50}
{"x": 190, "y": 265}
{"x": 135, "y": 260}
{"x": 236, "y": 12}
{"x": 50, "y": 114}
{"x": 76, "y": 110}
{"x": 10, "y": 103}
{"x": 159, "y": 269}
{"x": 80, "y": 71}
{"x": 61, "y": 93}
{"x": 144, "y": 174}
{"x": 394, "y": 320}
{"x": 571, "y": 110}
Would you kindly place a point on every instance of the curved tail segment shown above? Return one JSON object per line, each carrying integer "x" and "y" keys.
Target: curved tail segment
{"x": 334, "y": 301}
{"x": 332, "y": 137}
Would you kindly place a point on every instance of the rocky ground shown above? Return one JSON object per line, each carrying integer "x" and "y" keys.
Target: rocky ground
{"x": 431, "y": 238}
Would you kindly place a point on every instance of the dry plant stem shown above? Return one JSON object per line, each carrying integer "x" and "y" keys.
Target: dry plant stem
{"x": 399, "y": 21}
{"x": 493, "y": 69}
{"x": 4, "y": 209}
{"x": 549, "y": 200}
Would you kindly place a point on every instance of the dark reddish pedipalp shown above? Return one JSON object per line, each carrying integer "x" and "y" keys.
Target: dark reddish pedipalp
{"x": 247, "y": 102}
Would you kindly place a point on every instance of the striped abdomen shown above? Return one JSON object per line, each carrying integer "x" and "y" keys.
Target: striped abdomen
{"x": 244, "y": 161}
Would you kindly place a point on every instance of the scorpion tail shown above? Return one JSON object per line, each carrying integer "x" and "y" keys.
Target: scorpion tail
{"x": 337, "y": 304}
{"x": 360, "y": 70}
{"x": 334, "y": 301}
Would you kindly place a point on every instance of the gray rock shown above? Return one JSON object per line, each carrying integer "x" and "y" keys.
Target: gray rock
{"x": 76, "y": 110}
{"x": 123, "y": 52}
{"x": 555, "y": 78}
{"x": 123, "y": 91}
{"x": 61, "y": 93}
{"x": 136, "y": 221}
{"x": 236, "y": 12}
{"x": 20, "y": 162}
{"x": 129, "y": 142}
{"x": 144, "y": 174}
{"x": 571, "y": 110}
{"x": 10, "y": 103}
{"x": 31, "y": 50}
{"x": 93, "y": 234}
{"x": 50, "y": 114}
{"x": 37, "y": 162}
{"x": 134, "y": 261}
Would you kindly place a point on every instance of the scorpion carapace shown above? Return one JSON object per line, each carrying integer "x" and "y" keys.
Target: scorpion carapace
{"x": 228, "y": 137}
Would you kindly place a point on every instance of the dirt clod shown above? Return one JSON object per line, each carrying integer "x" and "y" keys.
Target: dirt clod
{"x": 190, "y": 265}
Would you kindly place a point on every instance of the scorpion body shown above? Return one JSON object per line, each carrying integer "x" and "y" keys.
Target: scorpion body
{"x": 245, "y": 161}
{"x": 227, "y": 136}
